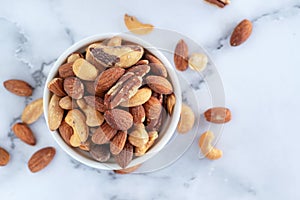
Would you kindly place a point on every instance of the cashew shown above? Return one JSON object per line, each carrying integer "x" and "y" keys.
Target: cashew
{"x": 93, "y": 117}
{"x": 76, "y": 120}
{"x": 207, "y": 149}
{"x": 139, "y": 151}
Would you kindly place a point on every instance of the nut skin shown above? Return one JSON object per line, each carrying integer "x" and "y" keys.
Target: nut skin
{"x": 103, "y": 134}
{"x": 125, "y": 156}
{"x": 66, "y": 131}
{"x": 18, "y": 87}
{"x": 95, "y": 102}
{"x": 138, "y": 114}
{"x": 24, "y": 133}
{"x": 241, "y": 33}
{"x": 159, "y": 69}
{"x": 40, "y": 159}
{"x": 118, "y": 119}
{"x": 32, "y": 111}
{"x": 153, "y": 110}
{"x": 207, "y": 149}
{"x": 56, "y": 86}
{"x": 187, "y": 119}
{"x": 135, "y": 26}
{"x": 74, "y": 87}
{"x": 181, "y": 56}
{"x": 218, "y": 115}
{"x": 118, "y": 142}
{"x": 55, "y": 113}
{"x": 4, "y": 157}
{"x": 159, "y": 84}
{"x": 66, "y": 70}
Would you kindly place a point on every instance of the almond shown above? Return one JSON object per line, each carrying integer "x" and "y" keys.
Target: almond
{"x": 241, "y": 33}
{"x": 66, "y": 132}
{"x": 118, "y": 119}
{"x": 32, "y": 111}
{"x": 56, "y": 87}
{"x": 118, "y": 142}
{"x": 89, "y": 87}
{"x": 135, "y": 26}
{"x": 24, "y": 133}
{"x": 95, "y": 102}
{"x": 158, "y": 69}
{"x": 66, "y": 70}
{"x": 100, "y": 152}
{"x": 84, "y": 70}
{"x": 153, "y": 109}
{"x": 138, "y": 114}
{"x": 218, "y": 115}
{"x": 55, "y": 113}
{"x": 159, "y": 84}
{"x": 4, "y": 157}
{"x": 18, "y": 87}
{"x": 181, "y": 56}
{"x": 127, "y": 170}
{"x": 141, "y": 97}
{"x": 219, "y": 3}
{"x": 125, "y": 156}
{"x": 103, "y": 134}
{"x": 152, "y": 59}
{"x": 74, "y": 87}
{"x": 40, "y": 159}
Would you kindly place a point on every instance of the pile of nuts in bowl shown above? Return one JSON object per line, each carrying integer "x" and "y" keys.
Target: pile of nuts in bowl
{"x": 111, "y": 100}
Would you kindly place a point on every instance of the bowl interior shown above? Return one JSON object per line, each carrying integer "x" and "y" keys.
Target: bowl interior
{"x": 168, "y": 126}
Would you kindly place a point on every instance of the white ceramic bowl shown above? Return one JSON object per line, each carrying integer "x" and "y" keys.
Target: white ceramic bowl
{"x": 169, "y": 126}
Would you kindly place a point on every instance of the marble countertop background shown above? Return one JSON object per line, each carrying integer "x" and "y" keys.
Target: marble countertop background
{"x": 261, "y": 144}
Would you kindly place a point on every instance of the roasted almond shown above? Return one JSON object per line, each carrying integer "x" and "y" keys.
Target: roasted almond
{"x": 55, "y": 113}
{"x": 66, "y": 131}
{"x": 159, "y": 84}
{"x": 219, "y": 3}
{"x": 138, "y": 114}
{"x": 241, "y": 33}
{"x": 32, "y": 111}
{"x": 118, "y": 119}
{"x": 135, "y": 26}
{"x": 24, "y": 133}
{"x": 95, "y": 102}
{"x": 141, "y": 97}
{"x": 118, "y": 142}
{"x": 40, "y": 159}
{"x": 181, "y": 56}
{"x": 74, "y": 87}
{"x": 100, "y": 152}
{"x": 66, "y": 70}
{"x": 18, "y": 87}
{"x": 158, "y": 69}
{"x": 218, "y": 115}
{"x": 103, "y": 134}
{"x": 56, "y": 87}
{"x": 125, "y": 156}
{"x": 4, "y": 157}
{"x": 153, "y": 109}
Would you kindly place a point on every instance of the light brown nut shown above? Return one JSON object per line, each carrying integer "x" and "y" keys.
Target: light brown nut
{"x": 198, "y": 61}
{"x": 141, "y": 97}
{"x": 67, "y": 103}
{"x": 181, "y": 56}
{"x": 187, "y": 119}
{"x": 139, "y": 70}
{"x": 103, "y": 134}
{"x": 135, "y": 26}
{"x": 139, "y": 136}
{"x": 207, "y": 149}
{"x": 118, "y": 142}
{"x": 241, "y": 33}
{"x": 95, "y": 102}
{"x": 171, "y": 101}
{"x": 74, "y": 87}
{"x": 138, "y": 114}
{"x": 41, "y": 159}
{"x": 153, "y": 110}
{"x": 73, "y": 57}
{"x": 100, "y": 152}
{"x": 55, "y": 113}
{"x": 93, "y": 117}
{"x": 159, "y": 69}
{"x": 76, "y": 119}
{"x": 127, "y": 170}
{"x": 18, "y": 87}
{"x": 139, "y": 151}
{"x": 115, "y": 41}
{"x": 4, "y": 157}
{"x": 75, "y": 140}
{"x": 32, "y": 111}
{"x": 118, "y": 56}
{"x": 125, "y": 156}
{"x": 66, "y": 131}
{"x": 219, "y": 3}
{"x": 66, "y": 70}
{"x": 218, "y": 115}
{"x": 84, "y": 70}
{"x": 142, "y": 62}
{"x": 107, "y": 79}
{"x": 159, "y": 84}
{"x": 56, "y": 87}
{"x": 123, "y": 90}
{"x": 118, "y": 119}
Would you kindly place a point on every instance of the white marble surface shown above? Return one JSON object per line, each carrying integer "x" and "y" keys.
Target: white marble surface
{"x": 261, "y": 77}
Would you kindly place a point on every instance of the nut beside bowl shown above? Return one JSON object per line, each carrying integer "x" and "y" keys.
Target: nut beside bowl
{"x": 168, "y": 126}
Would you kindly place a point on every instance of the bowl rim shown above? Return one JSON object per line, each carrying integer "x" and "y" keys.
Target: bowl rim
{"x": 172, "y": 124}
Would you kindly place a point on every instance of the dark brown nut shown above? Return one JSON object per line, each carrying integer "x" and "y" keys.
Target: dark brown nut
{"x": 74, "y": 87}
{"x": 152, "y": 59}
{"x": 117, "y": 56}
{"x": 125, "y": 156}
{"x": 100, "y": 152}
{"x": 153, "y": 110}
{"x": 159, "y": 69}
{"x": 65, "y": 132}
{"x": 4, "y": 157}
{"x": 219, "y": 3}
{"x": 18, "y": 87}
{"x": 118, "y": 119}
{"x": 103, "y": 134}
{"x": 159, "y": 84}
{"x": 138, "y": 114}
{"x": 140, "y": 70}
{"x": 95, "y": 102}
{"x": 86, "y": 146}
{"x": 123, "y": 90}
{"x": 181, "y": 56}
{"x": 118, "y": 142}
{"x": 24, "y": 133}
{"x": 41, "y": 159}
{"x": 107, "y": 79}
{"x": 218, "y": 115}
{"x": 89, "y": 87}
{"x": 56, "y": 87}
{"x": 66, "y": 70}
